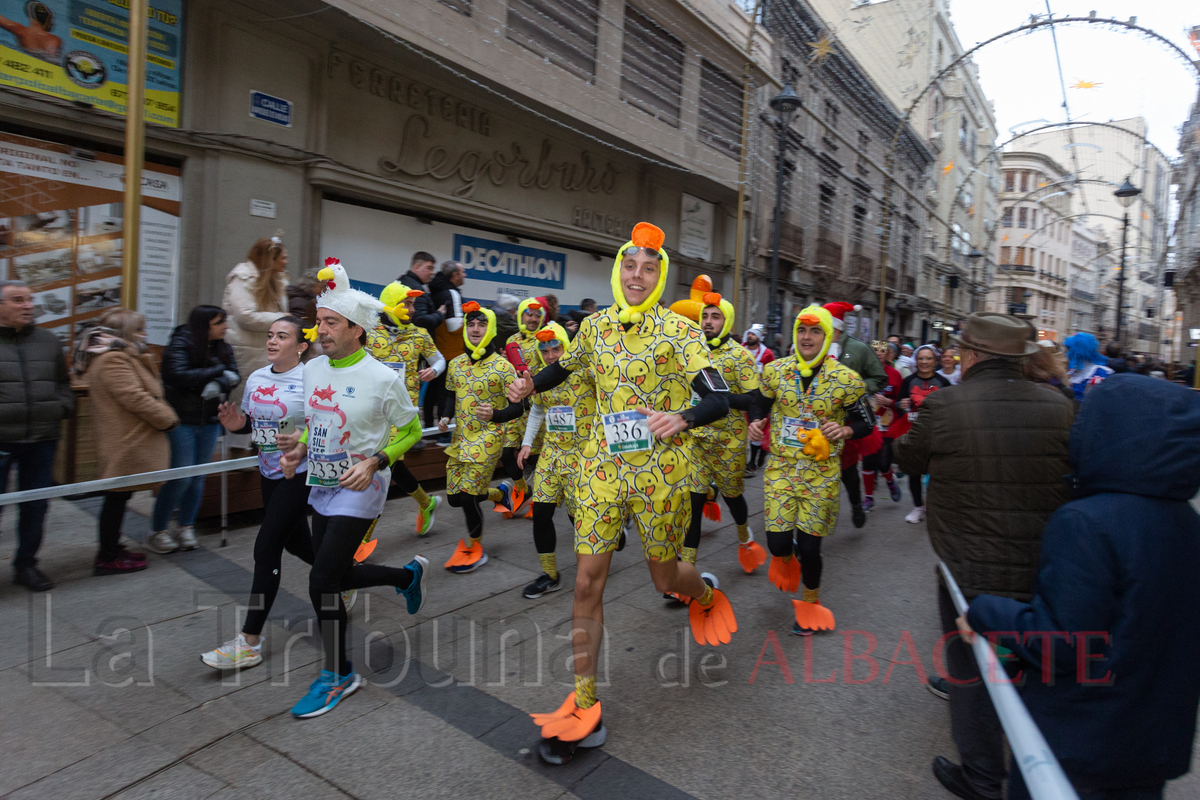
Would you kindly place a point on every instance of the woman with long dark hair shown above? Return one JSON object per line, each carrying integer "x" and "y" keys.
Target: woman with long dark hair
{"x": 198, "y": 371}
{"x": 255, "y": 296}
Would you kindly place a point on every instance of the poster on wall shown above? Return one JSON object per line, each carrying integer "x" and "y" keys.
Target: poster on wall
{"x": 377, "y": 246}
{"x": 695, "y": 228}
{"x": 61, "y": 232}
{"x": 75, "y": 50}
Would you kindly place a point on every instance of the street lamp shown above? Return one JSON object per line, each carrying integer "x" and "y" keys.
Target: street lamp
{"x": 785, "y": 105}
{"x": 1125, "y": 195}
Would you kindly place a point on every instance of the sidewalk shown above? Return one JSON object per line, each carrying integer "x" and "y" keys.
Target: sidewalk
{"x": 105, "y": 695}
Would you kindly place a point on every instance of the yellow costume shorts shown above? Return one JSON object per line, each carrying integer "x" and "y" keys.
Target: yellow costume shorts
{"x": 719, "y": 462}
{"x": 801, "y": 495}
{"x": 472, "y": 477}
{"x": 651, "y": 487}
{"x": 555, "y": 479}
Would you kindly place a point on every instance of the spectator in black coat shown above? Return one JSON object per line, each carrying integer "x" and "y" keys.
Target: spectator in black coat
{"x": 425, "y": 314}
{"x": 198, "y": 372}
{"x": 1116, "y": 361}
{"x": 1117, "y": 575}
{"x": 35, "y": 397}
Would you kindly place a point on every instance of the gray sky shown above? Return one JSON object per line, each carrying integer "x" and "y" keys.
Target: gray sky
{"x": 1137, "y": 76}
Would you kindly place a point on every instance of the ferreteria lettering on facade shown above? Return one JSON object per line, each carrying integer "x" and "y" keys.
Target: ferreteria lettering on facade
{"x": 422, "y": 99}
{"x": 415, "y": 161}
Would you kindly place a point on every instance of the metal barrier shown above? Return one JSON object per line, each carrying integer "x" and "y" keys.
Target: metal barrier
{"x": 1044, "y": 777}
{"x": 143, "y": 478}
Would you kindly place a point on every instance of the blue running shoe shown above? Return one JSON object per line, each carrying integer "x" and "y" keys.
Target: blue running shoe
{"x": 325, "y": 693}
{"x": 506, "y": 503}
{"x": 415, "y": 593}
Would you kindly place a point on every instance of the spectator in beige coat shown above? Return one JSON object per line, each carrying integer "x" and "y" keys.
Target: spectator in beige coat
{"x": 130, "y": 418}
{"x": 255, "y": 297}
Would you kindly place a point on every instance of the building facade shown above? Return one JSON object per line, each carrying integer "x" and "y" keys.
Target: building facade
{"x": 1033, "y": 249}
{"x": 835, "y": 183}
{"x": 524, "y": 138}
{"x": 904, "y": 45}
{"x": 1187, "y": 238}
{"x": 1091, "y": 288}
{"x": 1100, "y": 157}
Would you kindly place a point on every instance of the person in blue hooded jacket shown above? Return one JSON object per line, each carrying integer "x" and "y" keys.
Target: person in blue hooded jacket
{"x": 1117, "y": 575}
{"x": 1085, "y": 366}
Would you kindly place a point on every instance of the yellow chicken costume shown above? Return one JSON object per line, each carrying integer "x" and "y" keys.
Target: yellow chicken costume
{"x": 406, "y": 344}
{"x": 803, "y": 474}
{"x": 570, "y": 410}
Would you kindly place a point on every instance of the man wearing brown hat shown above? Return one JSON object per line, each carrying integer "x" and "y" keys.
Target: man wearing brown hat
{"x": 995, "y": 450}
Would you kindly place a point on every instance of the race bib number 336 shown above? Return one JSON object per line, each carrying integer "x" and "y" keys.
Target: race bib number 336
{"x": 626, "y": 432}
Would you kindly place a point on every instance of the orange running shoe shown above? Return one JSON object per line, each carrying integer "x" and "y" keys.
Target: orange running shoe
{"x": 467, "y": 557}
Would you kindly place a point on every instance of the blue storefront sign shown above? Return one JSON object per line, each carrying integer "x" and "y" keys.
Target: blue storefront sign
{"x": 271, "y": 109}
{"x": 504, "y": 262}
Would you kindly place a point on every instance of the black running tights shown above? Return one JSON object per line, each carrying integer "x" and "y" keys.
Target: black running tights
{"x": 808, "y": 547}
{"x": 914, "y": 486}
{"x": 335, "y": 540}
{"x": 403, "y": 478}
{"x": 469, "y": 503}
{"x": 853, "y": 485}
{"x": 737, "y": 507}
{"x": 284, "y": 527}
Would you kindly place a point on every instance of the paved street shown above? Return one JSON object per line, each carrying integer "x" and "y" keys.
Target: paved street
{"x": 105, "y": 696}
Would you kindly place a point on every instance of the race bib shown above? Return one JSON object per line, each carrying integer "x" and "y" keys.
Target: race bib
{"x": 792, "y": 427}
{"x": 560, "y": 419}
{"x": 263, "y": 435}
{"x": 626, "y": 432}
{"x": 325, "y": 469}
{"x": 397, "y": 366}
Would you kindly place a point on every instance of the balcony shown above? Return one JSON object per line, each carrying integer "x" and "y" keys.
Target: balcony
{"x": 1080, "y": 294}
{"x": 791, "y": 242}
{"x": 1017, "y": 268}
{"x": 829, "y": 254}
{"x": 861, "y": 268}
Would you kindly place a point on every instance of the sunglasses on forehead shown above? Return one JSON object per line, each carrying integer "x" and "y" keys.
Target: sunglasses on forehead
{"x": 634, "y": 250}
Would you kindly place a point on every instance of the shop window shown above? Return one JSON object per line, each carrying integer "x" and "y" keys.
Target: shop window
{"x": 562, "y": 31}
{"x": 720, "y": 110}
{"x": 651, "y": 67}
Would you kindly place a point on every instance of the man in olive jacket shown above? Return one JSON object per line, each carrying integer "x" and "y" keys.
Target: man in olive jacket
{"x": 995, "y": 449}
{"x": 35, "y": 397}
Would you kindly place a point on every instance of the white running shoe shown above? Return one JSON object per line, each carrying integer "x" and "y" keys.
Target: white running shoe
{"x": 161, "y": 542}
{"x": 187, "y": 538}
{"x": 710, "y": 579}
{"x": 349, "y": 598}
{"x": 916, "y": 515}
{"x": 234, "y": 654}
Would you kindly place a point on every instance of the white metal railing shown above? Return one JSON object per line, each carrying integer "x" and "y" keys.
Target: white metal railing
{"x": 1043, "y": 776}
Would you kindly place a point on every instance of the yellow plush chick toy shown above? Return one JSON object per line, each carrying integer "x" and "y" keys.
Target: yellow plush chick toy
{"x": 816, "y": 446}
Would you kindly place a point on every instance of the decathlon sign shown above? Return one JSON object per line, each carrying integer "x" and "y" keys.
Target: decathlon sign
{"x": 489, "y": 260}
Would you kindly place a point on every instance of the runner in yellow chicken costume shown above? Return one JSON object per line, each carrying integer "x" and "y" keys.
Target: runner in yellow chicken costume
{"x": 814, "y": 404}
{"x": 531, "y": 317}
{"x": 565, "y": 414}
{"x": 646, "y": 361}
{"x": 399, "y": 344}
{"x": 719, "y": 450}
{"x": 478, "y": 378}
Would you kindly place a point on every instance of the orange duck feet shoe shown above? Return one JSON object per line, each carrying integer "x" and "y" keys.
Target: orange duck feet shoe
{"x": 813, "y": 616}
{"x": 785, "y": 574}
{"x": 751, "y": 556}
{"x": 713, "y": 624}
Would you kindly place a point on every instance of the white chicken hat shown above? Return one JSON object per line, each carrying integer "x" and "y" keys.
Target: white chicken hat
{"x": 357, "y": 306}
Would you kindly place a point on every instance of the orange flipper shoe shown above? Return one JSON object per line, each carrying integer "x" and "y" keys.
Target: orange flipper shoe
{"x": 467, "y": 557}
{"x": 505, "y": 505}
{"x": 751, "y": 556}
{"x": 713, "y": 624}
{"x": 576, "y": 725}
{"x": 559, "y": 713}
{"x": 712, "y": 511}
{"x": 785, "y": 574}
{"x": 682, "y": 599}
{"x": 365, "y": 549}
{"x": 529, "y": 513}
{"x": 518, "y": 497}
{"x": 813, "y": 616}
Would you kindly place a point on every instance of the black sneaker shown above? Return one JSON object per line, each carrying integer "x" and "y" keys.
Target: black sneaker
{"x": 939, "y": 686}
{"x": 858, "y": 515}
{"x": 32, "y": 579}
{"x": 558, "y": 752}
{"x": 543, "y": 584}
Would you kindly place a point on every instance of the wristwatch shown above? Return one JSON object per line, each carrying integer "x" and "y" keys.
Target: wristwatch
{"x": 383, "y": 461}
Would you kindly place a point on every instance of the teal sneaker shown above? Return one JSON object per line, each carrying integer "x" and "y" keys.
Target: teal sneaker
{"x": 425, "y": 515}
{"x": 415, "y": 593}
{"x": 325, "y": 693}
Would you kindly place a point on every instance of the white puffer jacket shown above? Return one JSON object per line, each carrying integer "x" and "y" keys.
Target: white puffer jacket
{"x": 248, "y": 324}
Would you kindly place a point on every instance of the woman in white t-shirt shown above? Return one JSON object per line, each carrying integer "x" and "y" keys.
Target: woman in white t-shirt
{"x": 949, "y": 368}
{"x": 273, "y": 413}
